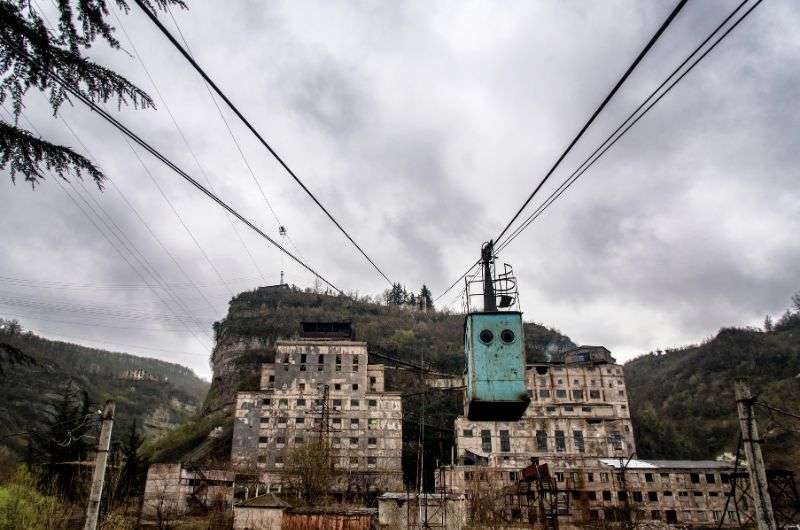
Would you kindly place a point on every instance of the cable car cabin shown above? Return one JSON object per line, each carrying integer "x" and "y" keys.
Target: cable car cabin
{"x": 494, "y": 346}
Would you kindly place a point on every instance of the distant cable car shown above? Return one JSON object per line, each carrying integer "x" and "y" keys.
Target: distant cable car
{"x": 494, "y": 345}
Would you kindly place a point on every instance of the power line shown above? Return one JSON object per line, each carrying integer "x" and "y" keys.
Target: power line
{"x": 183, "y": 137}
{"x": 599, "y": 109}
{"x": 117, "y": 233}
{"x": 588, "y": 123}
{"x": 130, "y": 134}
{"x": 235, "y": 140}
{"x": 88, "y": 323}
{"x": 144, "y": 223}
{"x": 619, "y": 132}
{"x": 26, "y": 282}
{"x": 779, "y": 411}
{"x": 252, "y": 129}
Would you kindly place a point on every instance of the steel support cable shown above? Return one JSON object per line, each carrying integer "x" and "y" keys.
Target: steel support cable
{"x": 128, "y": 245}
{"x": 236, "y": 141}
{"x": 166, "y": 161}
{"x": 135, "y": 211}
{"x": 779, "y": 411}
{"x": 88, "y": 322}
{"x": 95, "y": 311}
{"x": 107, "y": 237}
{"x": 178, "y": 128}
{"x": 122, "y": 237}
{"x": 147, "y": 226}
{"x": 179, "y": 217}
{"x": 627, "y": 123}
{"x": 597, "y": 112}
{"x": 577, "y": 137}
{"x": 255, "y": 132}
{"x": 125, "y": 258}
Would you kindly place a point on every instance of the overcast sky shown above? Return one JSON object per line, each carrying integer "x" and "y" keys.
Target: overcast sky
{"x": 422, "y": 126}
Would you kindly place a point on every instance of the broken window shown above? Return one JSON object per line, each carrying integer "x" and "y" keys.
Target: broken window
{"x": 560, "y": 392}
{"x": 467, "y": 433}
{"x": 577, "y": 394}
{"x": 486, "y": 441}
{"x": 695, "y": 478}
{"x": 637, "y": 496}
{"x": 505, "y": 442}
{"x": 577, "y": 437}
{"x": 371, "y": 460}
{"x": 372, "y": 441}
{"x": 355, "y": 363}
{"x": 544, "y": 393}
{"x": 561, "y": 442}
{"x": 372, "y": 403}
{"x": 541, "y": 441}
{"x": 590, "y": 477}
{"x": 355, "y": 386}
{"x": 606, "y": 495}
{"x": 301, "y": 402}
{"x": 267, "y": 402}
{"x": 652, "y": 496}
{"x": 616, "y": 440}
{"x": 337, "y": 386}
{"x": 338, "y": 363}
{"x": 603, "y": 477}
{"x": 354, "y": 403}
{"x": 710, "y": 479}
{"x": 300, "y": 420}
{"x": 337, "y": 403}
{"x": 354, "y": 422}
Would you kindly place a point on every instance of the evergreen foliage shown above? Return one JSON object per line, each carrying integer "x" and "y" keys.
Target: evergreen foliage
{"x": 30, "y": 52}
{"x": 682, "y": 401}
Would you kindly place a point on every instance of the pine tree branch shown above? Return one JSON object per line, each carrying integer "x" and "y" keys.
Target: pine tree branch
{"x": 29, "y": 156}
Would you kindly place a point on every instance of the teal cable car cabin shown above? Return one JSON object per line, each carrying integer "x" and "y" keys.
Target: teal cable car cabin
{"x": 494, "y": 347}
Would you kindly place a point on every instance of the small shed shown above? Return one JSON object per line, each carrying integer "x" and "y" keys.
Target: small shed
{"x": 436, "y": 510}
{"x": 329, "y": 518}
{"x": 264, "y": 512}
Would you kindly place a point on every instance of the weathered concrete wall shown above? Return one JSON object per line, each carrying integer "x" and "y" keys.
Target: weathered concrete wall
{"x": 401, "y": 510}
{"x": 256, "y": 518}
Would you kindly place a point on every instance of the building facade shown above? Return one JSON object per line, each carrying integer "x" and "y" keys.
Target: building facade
{"x": 321, "y": 389}
{"x": 578, "y": 428}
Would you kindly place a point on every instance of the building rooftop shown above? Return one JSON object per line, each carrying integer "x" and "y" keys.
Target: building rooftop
{"x": 664, "y": 464}
{"x": 267, "y": 500}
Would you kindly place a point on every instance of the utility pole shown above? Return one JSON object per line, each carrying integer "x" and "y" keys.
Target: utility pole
{"x": 100, "y": 461}
{"x": 765, "y": 518}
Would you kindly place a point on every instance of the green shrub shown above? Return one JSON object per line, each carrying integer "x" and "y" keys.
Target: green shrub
{"x": 23, "y": 506}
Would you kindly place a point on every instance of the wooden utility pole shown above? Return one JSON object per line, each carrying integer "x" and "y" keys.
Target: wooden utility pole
{"x": 765, "y": 518}
{"x": 100, "y": 461}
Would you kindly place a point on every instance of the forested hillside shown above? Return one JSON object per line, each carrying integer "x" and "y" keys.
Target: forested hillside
{"x": 683, "y": 404}
{"x": 36, "y": 372}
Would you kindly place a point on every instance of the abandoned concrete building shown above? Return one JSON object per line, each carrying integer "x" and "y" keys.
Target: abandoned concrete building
{"x": 320, "y": 385}
{"x": 172, "y": 490}
{"x": 577, "y": 434}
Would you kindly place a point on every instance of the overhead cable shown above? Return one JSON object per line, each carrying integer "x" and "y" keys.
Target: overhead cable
{"x": 629, "y": 122}
{"x": 597, "y": 112}
{"x": 255, "y": 132}
{"x": 583, "y": 129}
{"x": 136, "y": 138}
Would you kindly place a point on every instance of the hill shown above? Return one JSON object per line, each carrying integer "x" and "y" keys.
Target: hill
{"x": 34, "y": 370}
{"x": 682, "y": 400}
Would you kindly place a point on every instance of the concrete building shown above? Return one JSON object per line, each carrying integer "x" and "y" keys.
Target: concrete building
{"x": 321, "y": 386}
{"x": 578, "y": 428}
{"x": 427, "y": 510}
{"x": 173, "y": 490}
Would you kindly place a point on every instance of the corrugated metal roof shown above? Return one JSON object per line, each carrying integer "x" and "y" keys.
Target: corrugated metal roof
{"x": 265, "y": 501}
{"x": 665, "y": 464}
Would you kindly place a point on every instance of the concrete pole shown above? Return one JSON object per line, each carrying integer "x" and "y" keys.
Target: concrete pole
{"x": 99, "y": 475}
{"x": 765, "y": 518}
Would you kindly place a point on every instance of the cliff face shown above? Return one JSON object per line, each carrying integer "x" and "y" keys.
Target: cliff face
{"x": 256, "y": 319}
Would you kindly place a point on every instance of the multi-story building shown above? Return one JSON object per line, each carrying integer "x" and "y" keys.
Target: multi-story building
{"x": 578, "y": 424}
{"x": 321, "y": 387}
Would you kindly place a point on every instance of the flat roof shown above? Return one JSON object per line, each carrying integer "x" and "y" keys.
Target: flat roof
{"x": 664, "y": 464}
{"x": 320, "y": 341}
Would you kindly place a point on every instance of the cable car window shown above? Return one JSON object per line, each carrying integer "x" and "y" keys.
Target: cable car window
{"x": 507, "y": 336}
{"x": 486, "y": 336}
